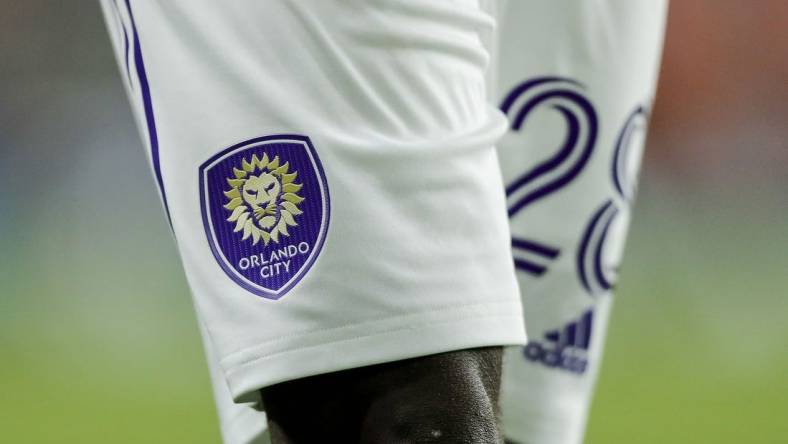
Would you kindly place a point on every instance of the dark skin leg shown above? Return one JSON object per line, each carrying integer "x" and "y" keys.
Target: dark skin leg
{"x": 445, "y": 398}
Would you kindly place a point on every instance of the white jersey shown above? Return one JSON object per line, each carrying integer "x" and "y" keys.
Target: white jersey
{"x": 329, "y": 172}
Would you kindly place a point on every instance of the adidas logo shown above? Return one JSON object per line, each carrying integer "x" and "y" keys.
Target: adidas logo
{"x": 565, "y": 349}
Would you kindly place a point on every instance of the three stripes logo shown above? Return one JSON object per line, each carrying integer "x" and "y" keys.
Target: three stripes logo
{"x": 565, "y": 97}
{"x": 565, "y": 348}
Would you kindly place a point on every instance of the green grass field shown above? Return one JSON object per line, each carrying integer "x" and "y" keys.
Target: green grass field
{"x": 698, "y": 346}
{"x": 101, "y": 346}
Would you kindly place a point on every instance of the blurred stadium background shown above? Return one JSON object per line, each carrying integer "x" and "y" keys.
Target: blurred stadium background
{"x": 97, "y": 333}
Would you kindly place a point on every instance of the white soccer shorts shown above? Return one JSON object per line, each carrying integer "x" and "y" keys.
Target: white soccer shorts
{"x": 328, "y": 171}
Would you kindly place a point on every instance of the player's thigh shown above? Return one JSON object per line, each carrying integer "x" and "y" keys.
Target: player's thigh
{"x": 449, "y": 397}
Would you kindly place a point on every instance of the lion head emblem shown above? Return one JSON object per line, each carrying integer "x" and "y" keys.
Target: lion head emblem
{"x": 263, "y": 199}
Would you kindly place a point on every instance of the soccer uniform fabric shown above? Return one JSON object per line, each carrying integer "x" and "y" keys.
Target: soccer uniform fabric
{"x": 329, "y": 173}
{"x": 576, "y": 80}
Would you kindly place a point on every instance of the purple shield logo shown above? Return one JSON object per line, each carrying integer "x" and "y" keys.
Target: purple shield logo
{"x": 265, "y": 208}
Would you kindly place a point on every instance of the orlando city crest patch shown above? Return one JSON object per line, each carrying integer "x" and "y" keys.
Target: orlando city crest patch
{"x": 265, "y": 208}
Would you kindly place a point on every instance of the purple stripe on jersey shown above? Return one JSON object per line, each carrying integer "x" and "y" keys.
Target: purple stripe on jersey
{"x": 584, "y": 244}
{"x": 620, "y": 179}
{"x": 148, "y": 106}
{"x": 125, "y": 36}
{"x": 529, "y": 267}
{"x": 598, "y": 265}
{"x": 574, "y": 171}
{"x": 586, "y": 325}
{"x": 516, "y": 92}
{"x": 535, "y": 247}
{"x": 586, "y": 115}
{"x": 572, "y": 135}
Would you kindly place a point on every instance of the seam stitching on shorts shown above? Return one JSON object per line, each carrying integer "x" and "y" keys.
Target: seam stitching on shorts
{"x": 442, "y": 308}
{"x": 245, "y": 363}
